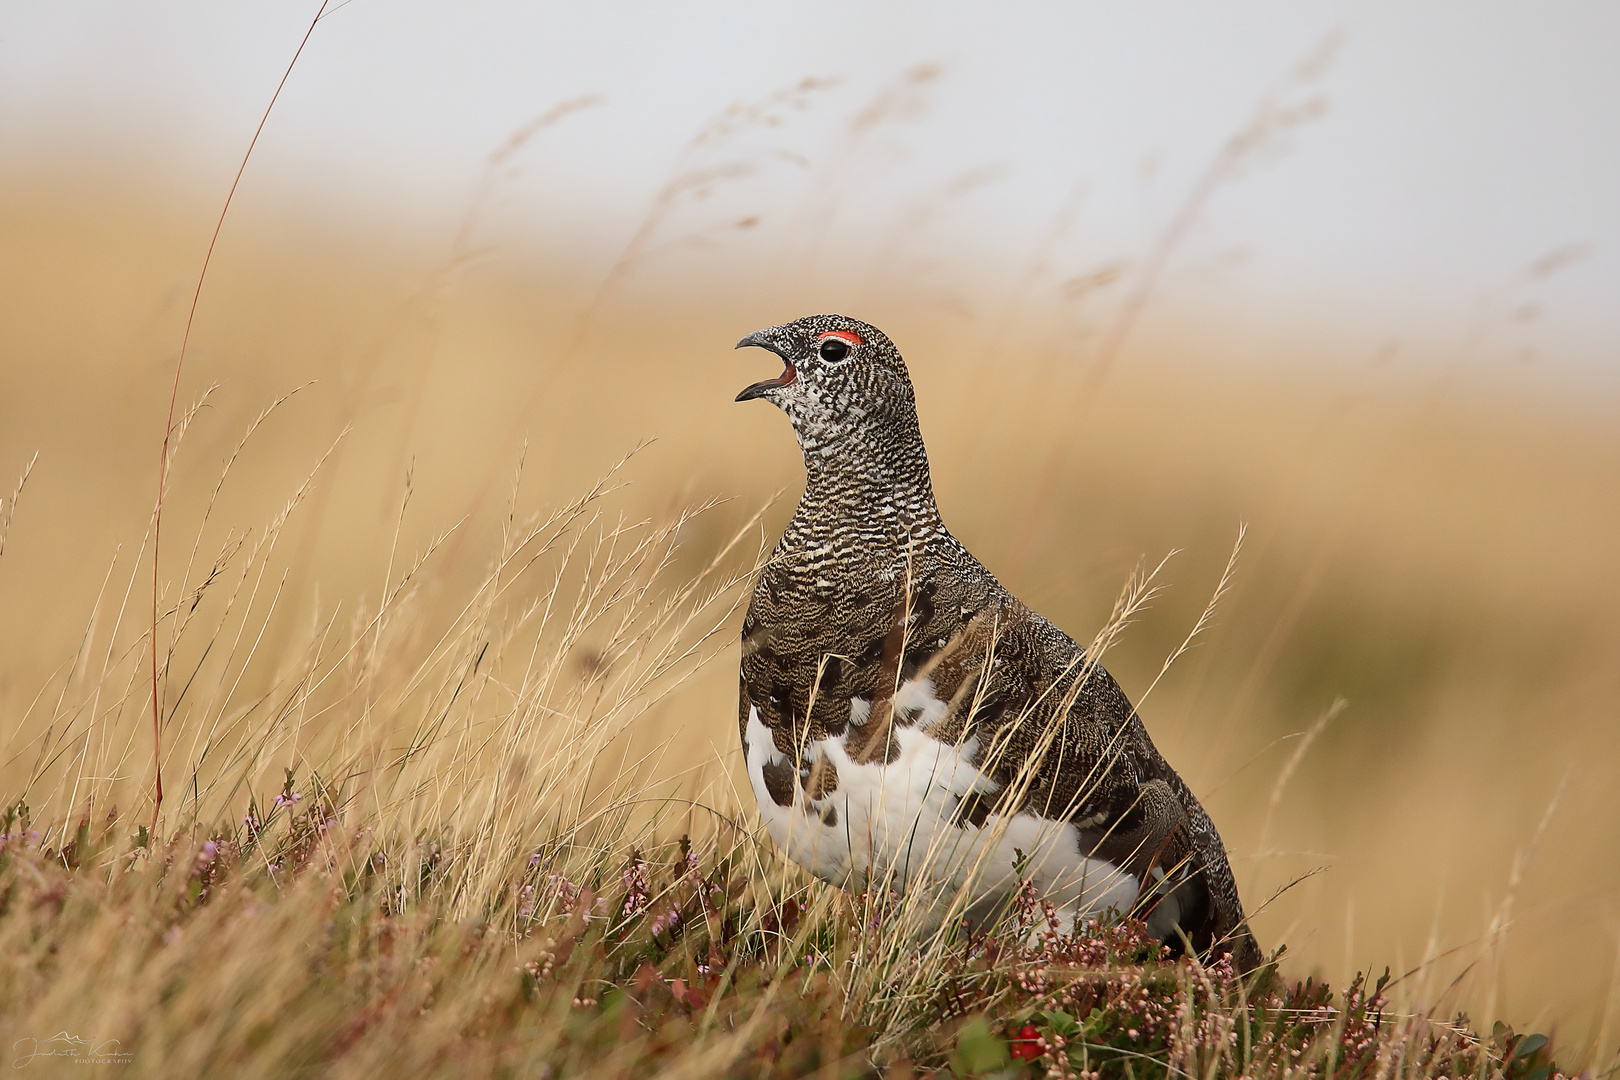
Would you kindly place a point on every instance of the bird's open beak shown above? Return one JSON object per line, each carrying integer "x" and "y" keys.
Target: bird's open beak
{"x": 761, "y": 339}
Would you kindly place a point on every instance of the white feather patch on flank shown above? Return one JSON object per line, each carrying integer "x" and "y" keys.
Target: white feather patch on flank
{"x": 1166, "y": 914}
{"x": 917, "y": 699}
{"x": 895, "y": 825}
{"x": 796, "y": 829}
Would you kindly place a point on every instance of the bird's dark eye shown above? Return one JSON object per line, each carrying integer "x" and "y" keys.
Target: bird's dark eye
{"x": 833, "y": 349}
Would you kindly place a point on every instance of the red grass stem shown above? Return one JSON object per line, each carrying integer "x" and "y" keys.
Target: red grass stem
{"x": 174, "y": 395}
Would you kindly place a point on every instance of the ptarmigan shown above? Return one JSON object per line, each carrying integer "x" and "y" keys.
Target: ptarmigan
{"x": 907, "y": 722}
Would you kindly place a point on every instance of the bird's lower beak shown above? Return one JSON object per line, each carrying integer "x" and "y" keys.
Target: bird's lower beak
{"x": 760, "y": 339}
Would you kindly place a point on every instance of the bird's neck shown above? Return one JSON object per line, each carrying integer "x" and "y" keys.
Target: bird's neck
{"x": 868, "y": 486}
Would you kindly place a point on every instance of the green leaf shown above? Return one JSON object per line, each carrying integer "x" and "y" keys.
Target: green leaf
{"x": 979, "y": 1050}
{"x": 1530, "y": 1045}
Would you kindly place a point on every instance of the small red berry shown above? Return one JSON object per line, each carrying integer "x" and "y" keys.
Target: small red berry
{"x": 1027, "y": 1046}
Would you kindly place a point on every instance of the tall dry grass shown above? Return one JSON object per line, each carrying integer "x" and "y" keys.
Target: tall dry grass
{"x": 401, "y": 595}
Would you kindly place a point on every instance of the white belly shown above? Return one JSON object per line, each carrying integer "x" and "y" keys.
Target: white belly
{"x": 894, "y": 826}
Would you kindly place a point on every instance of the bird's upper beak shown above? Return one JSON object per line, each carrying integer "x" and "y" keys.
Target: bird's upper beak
{"x": 766, "y": 339}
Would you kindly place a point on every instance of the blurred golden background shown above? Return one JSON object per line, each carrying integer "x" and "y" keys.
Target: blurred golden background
{"x": 1407, "y": 708}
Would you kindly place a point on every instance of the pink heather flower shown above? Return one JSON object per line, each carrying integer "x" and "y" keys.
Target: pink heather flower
{"x": 636, "y": 886}
{"x": 666, "y": 920}
{"x": 567, "y": 891}
{"x": 288, "y": 798}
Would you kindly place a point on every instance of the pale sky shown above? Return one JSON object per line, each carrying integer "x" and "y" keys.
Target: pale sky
{"x": 1460, "y": 143}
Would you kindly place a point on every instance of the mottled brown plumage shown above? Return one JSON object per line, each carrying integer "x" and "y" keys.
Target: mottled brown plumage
{"x": 867, "y": 593}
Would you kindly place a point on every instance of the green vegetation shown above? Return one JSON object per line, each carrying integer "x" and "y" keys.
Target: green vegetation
{"x": 306, "y": 944}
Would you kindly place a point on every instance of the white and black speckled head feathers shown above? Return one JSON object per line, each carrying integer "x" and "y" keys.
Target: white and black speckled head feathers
{"x": 846, "y": 391}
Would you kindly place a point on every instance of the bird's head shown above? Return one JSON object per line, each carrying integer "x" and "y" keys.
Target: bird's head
{"x": 839, "y": 375}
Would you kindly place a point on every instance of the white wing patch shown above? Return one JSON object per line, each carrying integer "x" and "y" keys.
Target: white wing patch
{"x": 916, "y": 700}
{"x": 895, "y": 825}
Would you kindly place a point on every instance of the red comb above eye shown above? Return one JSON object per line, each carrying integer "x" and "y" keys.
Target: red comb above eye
{"x": 842, "y": 335}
